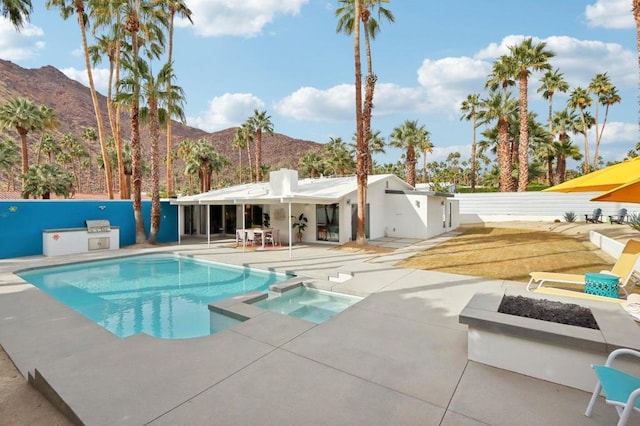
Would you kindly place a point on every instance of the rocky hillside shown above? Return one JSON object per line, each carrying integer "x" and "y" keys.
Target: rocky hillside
{"x": 72, "y": 103}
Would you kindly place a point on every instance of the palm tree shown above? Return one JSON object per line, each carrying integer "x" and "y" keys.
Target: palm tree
{"x": 174, "y": 7}
{"x": 346, "y": 22}
{"x": 240, "y": 143}
{"x": 409, "y": 137}
{"x": 579, "y": 99}
{"x": 607, "y": 95}
{"x": 144, "y": 23}
{"x": 76, "y": 151}
{"x": 469, "y": 110}
{"x": 155, "y": 91}
{"x": 498, "y": 107}
{"x": 67, "y": 9}
{"x": 376, "y": 146}
{"x": 246, "y": 133}
{"x": 552, "y": 82}
{"x": 337, "y": 157}
{"x": 186, "y": 151}
{"x": 110, "y": 45}
{"x": 49, "y": 146}
{"x": 312, "y": 165}
{"x": 24, "y": 116}
{"x": 361, "y": 142}
{"x": 17, "y": 11}
{"x": 501, "y": 76}
{"x": 260, "y": 122}
{"x": 425, "y": 147}
{"x": 49, "y": 122}
{"x": 45, "y": 179}
{"x": 565, "y": 149}
{"x": 527, "y": 57}
{"x": 9, "y": 158}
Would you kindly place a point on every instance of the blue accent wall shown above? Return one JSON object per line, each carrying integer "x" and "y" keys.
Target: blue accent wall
{"x": 22, "y": 221}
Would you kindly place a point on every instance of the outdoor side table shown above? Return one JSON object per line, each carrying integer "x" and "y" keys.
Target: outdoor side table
{"x": 601, "y": 284}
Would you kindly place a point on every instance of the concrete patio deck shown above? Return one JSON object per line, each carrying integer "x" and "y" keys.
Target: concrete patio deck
{"x": 399, "y": 356}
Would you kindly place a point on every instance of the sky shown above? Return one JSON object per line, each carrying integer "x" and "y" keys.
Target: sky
{"x": 285, "y": 57}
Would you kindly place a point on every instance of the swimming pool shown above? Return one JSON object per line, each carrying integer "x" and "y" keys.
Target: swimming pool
{"x": 163, "y": 295}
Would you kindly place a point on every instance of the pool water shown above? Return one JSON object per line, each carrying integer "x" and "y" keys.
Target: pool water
{"x": 163, "y": 295}
{"x": 309, "y": 304}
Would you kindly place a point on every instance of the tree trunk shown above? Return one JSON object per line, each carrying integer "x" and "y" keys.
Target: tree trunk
{"x": 361, "y": 172}
{"x": 473, "y": 156}
{"x": 523, "y": 149}
{"x": 411, "y": 165}
{"x": 136, "y": 159}
{"x": 96, "y": 107}
{"x": 259, "y": 155}
{"x": 504, "y": 156}
{"x": 154, "y": 130}
{"x": 24, "y": 150}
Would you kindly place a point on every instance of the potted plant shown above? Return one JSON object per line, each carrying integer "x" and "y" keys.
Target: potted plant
{"x": 300, "y": 224}
{"x": 266, "y": 221}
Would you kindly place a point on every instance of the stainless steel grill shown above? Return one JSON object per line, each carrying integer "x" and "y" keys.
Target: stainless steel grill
{"x": 100, "y": 225}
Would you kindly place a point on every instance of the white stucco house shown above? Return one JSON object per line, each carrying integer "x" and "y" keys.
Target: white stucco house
{"x": 394, "y": 208}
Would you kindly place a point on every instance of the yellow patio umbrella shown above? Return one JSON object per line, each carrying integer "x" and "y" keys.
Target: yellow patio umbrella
{"x": 628, "y": 193}
{"x": 602, "y": 180}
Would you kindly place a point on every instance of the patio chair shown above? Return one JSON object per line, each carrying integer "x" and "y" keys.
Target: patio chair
{"x": 623, "y": 269}
{"x": 594, "y": 217}
{"x": 621, "y": 389}
{"x": 273, "y": 237}
{"x": 618, "y": 218}
{"x": 251, "y": 237}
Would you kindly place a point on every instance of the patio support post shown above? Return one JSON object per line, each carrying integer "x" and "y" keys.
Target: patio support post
{"x": 208, "y": 225}
{"x": 179, "y": 222}
{"x": 290, "y": 233}
{"x": 244, "y": 239}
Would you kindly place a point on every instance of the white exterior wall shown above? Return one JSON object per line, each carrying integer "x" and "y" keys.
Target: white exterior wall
{"x": 419, "y": 216}
{"x": 378, "y": 207}
{"x": 533, "y": 206}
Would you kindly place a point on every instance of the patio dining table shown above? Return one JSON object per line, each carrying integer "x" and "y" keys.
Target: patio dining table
{"x": 241, "y": 234}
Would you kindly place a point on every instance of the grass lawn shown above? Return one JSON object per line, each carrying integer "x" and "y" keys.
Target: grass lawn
{"x": 509, "y": 254}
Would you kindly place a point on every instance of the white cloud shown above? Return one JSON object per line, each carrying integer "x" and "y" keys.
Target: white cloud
{"x": 245, "y": 18}
{"x": 610, "y": 14}
{"x": 228, "y": 110}
{"x": 308, "y": 103}
{"x": 16, "y": 46}
{"x": 337, "y": 103}
{"x": 100, "y": 77}
{"x": 448, "y": 81}
{"x": 616, "y": 133}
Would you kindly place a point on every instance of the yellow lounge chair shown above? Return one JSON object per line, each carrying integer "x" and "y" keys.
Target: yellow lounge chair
{"x": 623, "y": 269}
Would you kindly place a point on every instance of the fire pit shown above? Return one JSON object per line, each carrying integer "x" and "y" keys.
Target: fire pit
{"x": 547, "y": 350}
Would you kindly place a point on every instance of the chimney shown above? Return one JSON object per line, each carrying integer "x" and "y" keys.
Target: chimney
{"x": 283, "y": 181}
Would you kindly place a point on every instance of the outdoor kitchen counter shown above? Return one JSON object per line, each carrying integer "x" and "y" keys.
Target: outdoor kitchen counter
{"x": 61, "y": 241}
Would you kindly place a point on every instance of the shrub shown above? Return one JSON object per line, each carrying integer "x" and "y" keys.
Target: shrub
{"x": 570, "y": 216}
{"x": 634, "y": 221}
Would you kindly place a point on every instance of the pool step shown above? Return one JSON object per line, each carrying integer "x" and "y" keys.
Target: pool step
{"x": 341, "y": 277}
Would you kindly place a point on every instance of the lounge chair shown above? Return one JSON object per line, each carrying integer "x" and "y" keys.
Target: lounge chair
{"x": 594, "y": 217}
{"x": 618, "y": 218}
{"x": 623, "y": 269}
{"x": 621, "y": 389}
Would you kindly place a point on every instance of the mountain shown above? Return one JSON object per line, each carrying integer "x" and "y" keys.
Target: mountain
{"x": 72, "y": 102}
